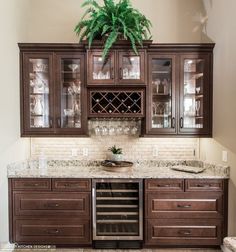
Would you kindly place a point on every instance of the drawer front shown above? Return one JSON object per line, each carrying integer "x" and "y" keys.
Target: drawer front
{"x": 52, "y": 204}
{"x": 164, "y": 185}
{"x": 203, "y": 185}
{"x": 31, "y": 184}
{"x": 183, "y": 232}
{"x": 80, "y": 185}
{"x": 63, "y": 231}
{"x": 183, "y": 205}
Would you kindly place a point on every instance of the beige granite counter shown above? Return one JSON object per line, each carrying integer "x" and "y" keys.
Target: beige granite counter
{"x": 93, "y": 169}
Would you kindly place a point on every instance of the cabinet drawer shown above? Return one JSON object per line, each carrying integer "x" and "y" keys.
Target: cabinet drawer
{"x": 79, "y": 185}
{"x": 164, "y": 185}
{"x": 183, "y": 232}
{"x": 52, "y": 204}
{"x": 31, "y": 184}
{"x": 183, "y": 205}
{"x": 63, "y": 231}
{"x": 203, "y": 185}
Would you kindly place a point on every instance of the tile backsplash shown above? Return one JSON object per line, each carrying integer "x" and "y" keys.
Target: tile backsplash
{"x": 133, "y": 148}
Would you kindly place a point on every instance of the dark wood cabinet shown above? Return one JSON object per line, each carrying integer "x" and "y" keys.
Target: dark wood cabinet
{"x": 53, "y": 94}
{"x": 169, "y": 85}
{"x": 179, "y": 92}
{"x": 185, "y": 212}
{"x": 50, "y": 211}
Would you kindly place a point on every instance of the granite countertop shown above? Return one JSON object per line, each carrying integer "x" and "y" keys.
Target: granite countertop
{"x": 93, "y": 169}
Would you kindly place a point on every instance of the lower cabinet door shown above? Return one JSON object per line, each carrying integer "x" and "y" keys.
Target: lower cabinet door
{"x": 181, "y": 232}
{"x": 53, "y": 232}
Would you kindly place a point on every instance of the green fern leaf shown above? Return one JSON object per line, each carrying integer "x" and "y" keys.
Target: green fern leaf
{"x": 109, "y": 42}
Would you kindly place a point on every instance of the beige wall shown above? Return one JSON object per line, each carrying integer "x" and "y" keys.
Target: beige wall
{"x": 13, "y": 28}
{"x": 221, "y": 28}
{"x": 173, "y": 20}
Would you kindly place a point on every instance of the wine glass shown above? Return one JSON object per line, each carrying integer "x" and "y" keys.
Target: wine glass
{"x": 73, "y": 67}
{"x": 197, "y": 107}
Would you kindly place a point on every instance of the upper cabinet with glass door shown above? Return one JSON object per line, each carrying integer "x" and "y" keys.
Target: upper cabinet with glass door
{"x": 37, "y": 105}
{"x": 100, "y": 71}
{"x": 71, "y": 111}
{"x": 160, "y": 114}
{"x": 194, "y": 94}
{"x": 120, "y": 67}
{"x": 131, "y": 67}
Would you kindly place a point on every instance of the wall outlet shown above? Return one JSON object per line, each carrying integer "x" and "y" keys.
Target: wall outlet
{"x": 85, "y": 152}
{"x": 74, "y": 152}
{"x": 155, "y": 152}
{"x": 224, "y": 156}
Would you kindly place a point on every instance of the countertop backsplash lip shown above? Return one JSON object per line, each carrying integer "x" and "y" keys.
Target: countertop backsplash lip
{"x": 93, "y": 169}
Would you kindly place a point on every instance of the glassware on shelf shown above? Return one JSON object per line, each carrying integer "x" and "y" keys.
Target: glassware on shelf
{"x": 131, "y": 67}
{"x": 38, "y": 106}
{"x": 73, "y": 67}
{"x": 198, "y": 89}
{"x": 114, "y": 127}
{"x": 197, "y": 107}
{"x": 69, "y": 112}
{"x": 40, "y": 67}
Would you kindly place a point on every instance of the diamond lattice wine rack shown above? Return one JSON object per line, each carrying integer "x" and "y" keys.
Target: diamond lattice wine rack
{"x": 116, "y": 103}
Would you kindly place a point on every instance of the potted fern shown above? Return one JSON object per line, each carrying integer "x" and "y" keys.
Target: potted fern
{"x": 116, "y": 153}
{"x": 111, "y": 22}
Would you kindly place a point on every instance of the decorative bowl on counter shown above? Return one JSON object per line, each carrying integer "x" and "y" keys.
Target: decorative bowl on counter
{"x": 117, "y": 166}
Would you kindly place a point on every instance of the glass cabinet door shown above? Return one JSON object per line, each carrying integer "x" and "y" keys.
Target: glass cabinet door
{"x": 194, "y": 91}
{"x": 131, "y": 67}
{"x": 37, "y": 92}
{"x": 161, "y": 109}
{"x": 100, "y": 71}
{"x": 71, "y": 81}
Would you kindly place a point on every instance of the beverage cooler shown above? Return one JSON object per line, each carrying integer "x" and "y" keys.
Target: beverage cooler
{"x": 117, "y": 213}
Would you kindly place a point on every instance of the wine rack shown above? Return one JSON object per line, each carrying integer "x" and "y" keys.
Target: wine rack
{"x": 118, "y": 103}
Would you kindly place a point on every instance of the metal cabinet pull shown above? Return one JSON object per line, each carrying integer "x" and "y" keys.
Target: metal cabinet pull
{"x": 52, "y": 205}
{"x": 120, "y": 74}
{"x": 183, "y": 206}
{"x": 31, "y": 184}
{"x": 173, "y": 122}
{"x": 59, "y": 122}
{"x": 112, "y": 73}
{"x": 181, "y": 122}
{"x": 56, "y": 231}
{"x": 184, "y": 232}
{"x": 166, "y": 185}
{"x": 50, "y": 122}
{"x": 200, "y": 185}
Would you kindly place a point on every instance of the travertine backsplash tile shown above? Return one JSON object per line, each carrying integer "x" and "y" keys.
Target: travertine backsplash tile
{"x": 133, "y": 148}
